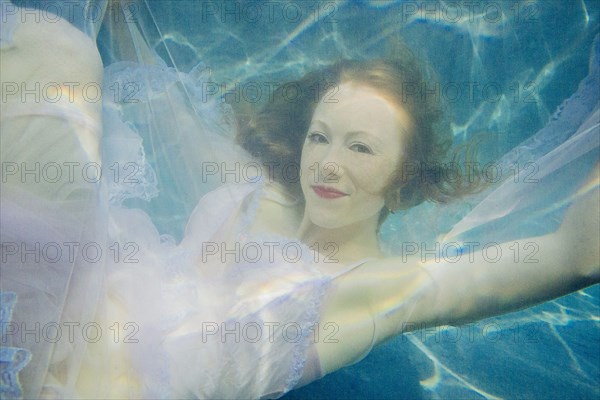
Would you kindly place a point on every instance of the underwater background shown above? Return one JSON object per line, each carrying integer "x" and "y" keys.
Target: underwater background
{"x": 503, "y": 68}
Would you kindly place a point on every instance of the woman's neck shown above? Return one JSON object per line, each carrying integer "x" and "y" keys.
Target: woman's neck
{"x": 345, "y": 244}
{"x": 277, "y": 213}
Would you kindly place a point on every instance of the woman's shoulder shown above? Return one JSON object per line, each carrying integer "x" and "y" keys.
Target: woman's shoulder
{"x": 277, "y": 211}
{"x": 252, "y": 208}
{"x": 276, "y": 192}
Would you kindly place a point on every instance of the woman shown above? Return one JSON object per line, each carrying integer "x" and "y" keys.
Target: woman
{"x": 181, "y": 310}
{"x": 365, "y": 172}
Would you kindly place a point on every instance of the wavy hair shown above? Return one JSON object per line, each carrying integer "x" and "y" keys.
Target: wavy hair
{"x": 277, "y": 132}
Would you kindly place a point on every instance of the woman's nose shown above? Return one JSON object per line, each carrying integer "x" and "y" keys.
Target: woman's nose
{"x": 332, "y": 165}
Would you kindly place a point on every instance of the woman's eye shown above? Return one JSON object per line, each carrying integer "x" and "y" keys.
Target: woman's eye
{"x": 361, "y": 148}
{"x": 317, "y": 138}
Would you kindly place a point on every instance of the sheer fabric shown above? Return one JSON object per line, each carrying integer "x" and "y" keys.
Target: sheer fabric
{"x": 141, "y": 303}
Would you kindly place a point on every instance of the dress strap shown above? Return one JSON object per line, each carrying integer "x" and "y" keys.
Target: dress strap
{"x": 351, "y": 267}
{"x": 344, "y": 271}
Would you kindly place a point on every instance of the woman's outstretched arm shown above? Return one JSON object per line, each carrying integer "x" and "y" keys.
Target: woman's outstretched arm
{"x": 384, "y": 298}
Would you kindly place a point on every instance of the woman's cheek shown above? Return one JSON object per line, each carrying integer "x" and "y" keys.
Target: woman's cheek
{"x": 375, "y": 177}
{"x": 310, "y": 154}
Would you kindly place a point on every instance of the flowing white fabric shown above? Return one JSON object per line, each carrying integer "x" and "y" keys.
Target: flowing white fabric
{"x": 109, "y": 302}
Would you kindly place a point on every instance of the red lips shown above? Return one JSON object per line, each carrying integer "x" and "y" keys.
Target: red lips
{"x": 327, "y": 193}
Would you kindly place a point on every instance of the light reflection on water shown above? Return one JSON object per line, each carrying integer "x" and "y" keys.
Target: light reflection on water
{"x": 503, "y": 68}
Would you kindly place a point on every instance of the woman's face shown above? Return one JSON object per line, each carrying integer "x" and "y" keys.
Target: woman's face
{"x": 353, "y": 147}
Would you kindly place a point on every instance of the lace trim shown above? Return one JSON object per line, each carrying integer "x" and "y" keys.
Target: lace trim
{"x": 311, "y": 317}
{"x": 312, "y": 314}
{"x": 140, "y": 83}
{"x": 127, "y": 172}
{"x": 12, "y": 359}
{"x": 129, "y": 120}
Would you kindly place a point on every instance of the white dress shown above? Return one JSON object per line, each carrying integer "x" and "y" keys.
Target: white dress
{"x": 96, "y": 303}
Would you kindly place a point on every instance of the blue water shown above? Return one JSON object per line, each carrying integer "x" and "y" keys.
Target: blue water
{"x": 503, "y": 68}
{"x": 523, "y": 61}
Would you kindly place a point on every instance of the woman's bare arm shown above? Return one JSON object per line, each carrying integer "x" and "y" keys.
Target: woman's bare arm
{"x": 384, "y": 298}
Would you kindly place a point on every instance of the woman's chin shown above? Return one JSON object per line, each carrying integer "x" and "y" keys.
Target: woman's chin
{"x": 328, "y": 220}
{"x": 334, "y": 219}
